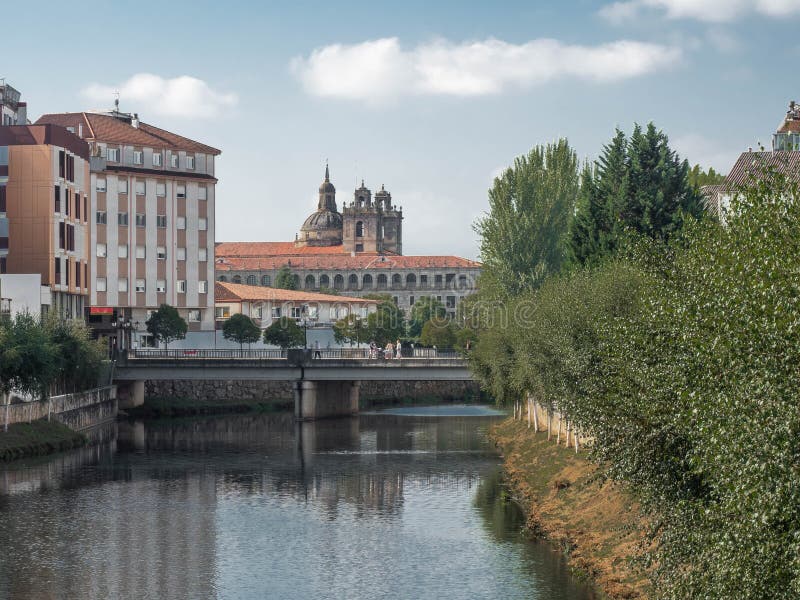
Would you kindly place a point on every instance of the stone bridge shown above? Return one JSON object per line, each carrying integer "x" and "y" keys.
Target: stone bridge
{"x": 326, "y": 382}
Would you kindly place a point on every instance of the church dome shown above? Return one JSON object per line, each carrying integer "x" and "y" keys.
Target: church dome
{"x": 322, "y": 220}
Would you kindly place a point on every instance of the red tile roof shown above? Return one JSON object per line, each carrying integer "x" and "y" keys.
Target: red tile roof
{"x": 753, "y": 165}
{"x": 105, "y": 128}
{"x": 235, "y": 292}
{"x": 263, "y": 249}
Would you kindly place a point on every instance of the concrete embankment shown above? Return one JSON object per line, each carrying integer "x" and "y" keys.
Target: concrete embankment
{"x": 595, "y": 522}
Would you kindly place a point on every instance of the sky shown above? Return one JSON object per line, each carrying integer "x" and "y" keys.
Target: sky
{"x": 431, "y": 99}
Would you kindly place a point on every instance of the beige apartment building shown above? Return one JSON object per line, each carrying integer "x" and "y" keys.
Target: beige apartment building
{"x": 44, "y": 213}
{"x": 152, "y": 222}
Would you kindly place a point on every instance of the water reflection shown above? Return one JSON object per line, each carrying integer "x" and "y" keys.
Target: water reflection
{"x": 254, "y": 506}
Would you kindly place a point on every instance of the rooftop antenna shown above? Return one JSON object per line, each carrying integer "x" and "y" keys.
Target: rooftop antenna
{"x": 116, "y": 100}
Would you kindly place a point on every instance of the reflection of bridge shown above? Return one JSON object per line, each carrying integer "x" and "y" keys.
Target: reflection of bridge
{"x": 326, "y": 382}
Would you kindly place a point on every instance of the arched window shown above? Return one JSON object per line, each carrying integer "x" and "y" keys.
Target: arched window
{"x": 411, "y": 281}
{"x": 338, "y": 282}
{"x": 223, "y": 278}
{"x": 310, "y": 282}
{"x": 324, "y": 281}
{"x": 352, "y": 282}
{"x": 251, "y": 280}
{"x": 236, "y": 279}
{"x": 361, "y": 200}
{"x": 266, "y": 280}
{"x": 381, "y": 281}
{"x": 397, "y": 281}
{"x": 296, "y": 279}
{"x": 367, "y": 282}
{"x": 359, "y": 229}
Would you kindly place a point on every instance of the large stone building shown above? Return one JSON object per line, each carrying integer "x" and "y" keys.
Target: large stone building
{"x": 152, "y": 222}
{"x": 354, "y": 252}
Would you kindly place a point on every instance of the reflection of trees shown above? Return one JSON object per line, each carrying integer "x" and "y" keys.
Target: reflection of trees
{"x": 500, "y": 515}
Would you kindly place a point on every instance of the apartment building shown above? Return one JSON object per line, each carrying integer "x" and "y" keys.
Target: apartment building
{"x": 44, "y": 212}
{"x": 152, "y": 225}
{"x": 12, "y": 111}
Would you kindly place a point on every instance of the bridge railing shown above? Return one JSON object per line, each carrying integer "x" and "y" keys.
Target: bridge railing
{"x": 277, "y": 354}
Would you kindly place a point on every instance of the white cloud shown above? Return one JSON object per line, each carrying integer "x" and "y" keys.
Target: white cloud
{"x": 381, "y": 70}
{"x": 182, "y": 96}
{"x": 713, "y": 11}
{"x": 705, "y": 152}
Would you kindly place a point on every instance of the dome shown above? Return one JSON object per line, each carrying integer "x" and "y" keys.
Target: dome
{"x": 327, "y": 188}
{"x": 322, "y": 220}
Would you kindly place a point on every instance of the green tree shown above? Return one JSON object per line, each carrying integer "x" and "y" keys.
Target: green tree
{"x": 530, "y": 204}
{"x": 438, "y": 333}
{"x": 285, "y": 333}
{"x": 285, "y": 280}
{"x": 638, "y": 185}
{"x": 350, "y": 330}
{"x": 387, "y": 323}
{"x": 698, "y": 177}
{"x": 425, "y": 309}
{"x": 166, "y": 325}
{"x": 241, "y": 329}
{"x": 79, "y": 357}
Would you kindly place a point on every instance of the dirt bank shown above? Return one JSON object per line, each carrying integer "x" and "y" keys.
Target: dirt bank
{"x": 597, "y": 524}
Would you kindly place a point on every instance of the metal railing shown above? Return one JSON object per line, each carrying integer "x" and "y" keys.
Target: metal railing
{"x": 277, "y": 354}
{"x": 206, "y": 353}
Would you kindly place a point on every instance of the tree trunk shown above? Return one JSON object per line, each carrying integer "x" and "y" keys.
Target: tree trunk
{"x": 577, "y": 443}
{"x": 528, "y": 398}
{"x": 558, "y": 438}
{"x": 549, "y": 423}
{"x": 535, "y": 416}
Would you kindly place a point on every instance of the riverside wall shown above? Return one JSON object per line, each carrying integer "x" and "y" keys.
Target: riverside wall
{"x": 283, "y": 390}
{"x": 77, "y": 411}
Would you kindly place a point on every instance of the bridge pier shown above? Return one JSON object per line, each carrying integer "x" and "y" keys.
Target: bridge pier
{"x": 324, "y": 399}
{"x": 130, "y": 394}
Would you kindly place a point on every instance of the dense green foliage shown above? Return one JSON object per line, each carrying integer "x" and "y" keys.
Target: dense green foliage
{"x": 79, "y": 358}
{"x": 241, "y": 329}
{"x": 680, "y": 360}
{"x": 387, "y": 323}
{"x": 350, "y": 330}
{"x": 698, "y": 177}
{"x": 637, "y": 185}
{"x": 425, "y": 309}
{"x": 441, "y": 334}
{"x": 166, "y": 325}
{"x": 285, "y": 280}
{"x": 285, "y": 333}
{"x": 530, "y": 204}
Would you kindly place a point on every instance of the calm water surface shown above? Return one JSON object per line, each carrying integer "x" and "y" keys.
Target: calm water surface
{"x": 405, "y": 503}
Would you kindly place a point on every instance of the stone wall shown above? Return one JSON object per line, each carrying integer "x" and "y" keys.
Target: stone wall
{"x": 283, "y": 391}
{"x": 77, "y": 411}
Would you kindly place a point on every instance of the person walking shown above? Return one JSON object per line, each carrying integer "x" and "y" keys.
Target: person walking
{"x": 389, "y": 352}
{"x": 317, "y": 353}
{"x": 398, "y": 349}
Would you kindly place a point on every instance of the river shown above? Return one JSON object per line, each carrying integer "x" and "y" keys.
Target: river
{"x": 404, "y": 503}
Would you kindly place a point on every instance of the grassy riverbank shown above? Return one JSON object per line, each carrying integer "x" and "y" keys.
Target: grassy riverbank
{"x": 596, "y": 524}
{"x": 167, "y": 407}
{"x": 37, "y": 438}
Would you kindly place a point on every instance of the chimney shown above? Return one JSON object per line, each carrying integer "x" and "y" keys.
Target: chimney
{"x": 135, "y": 120}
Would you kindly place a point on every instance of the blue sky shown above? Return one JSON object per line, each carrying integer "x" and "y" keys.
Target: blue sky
{"x": 430, "y": 99}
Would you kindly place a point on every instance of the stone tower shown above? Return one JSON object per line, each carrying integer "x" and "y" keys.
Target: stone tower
{"x": 372, "y": 226}
{"x": 323, "y": 227}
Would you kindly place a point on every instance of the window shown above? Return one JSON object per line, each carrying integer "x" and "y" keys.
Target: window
{"x": 190, "y": 162}
{"x": 62, "y": 235}
{"x": 123, "y": 284}
{"x": 141, "y": 188}
{"x": 180, "y": 286}
{"x": 161, "y": 253}
{"x": 67, "y": 200}
{"x": 161, "y": 221}
{"x": 359, "y": 247}
{"x": 122, "y": 186}
{"x": 122, "y": 251}
{"x": 101, "y": 250}
{"x": 57, "y": 193}
{"x": 451, "y": 302}
{"x": 4, "y": 242}
{"x": 181, "y": 190}
{"x": 297, "y": 312}
{"x": 173, "y": 161}
{"x": 222, "y": 278}
{"x": 100, "y": 284}
{"x": 266, "y": 280}
{"x": 101, "y": 217}
{"x": 71, "y": 238}
{"x": 112, "y": 154}
{"x": 100, "y": 185}
{"x": 411, "y": 300}
{"x": 202, "y": 287}
{"x": 202, "y": 193}
{"x": 194, "y": 315}
{"x": 359, "y": 229}
{"x": 161, "y": 285}
{"x": 237, "y": 279}
{"x": 140, "y": 285}
{"x": 2, "y": 198}
{"x": 202, "y": 224}
{"x": 222, "y": 312}
{"x": 437, "y": 280}
{"x": 122, "y": 219}
{"x": 138, "y": 157}
{"x": 251, "y": 280}
{"x": 180, "y": 254}
{"x": 202, "y": 256}
{"x": 57, "y": 271}
{"x": 156, "y": 159}
{"x": 140, "y": 251}
{"x": 180, "y": 223}
{"x": 161, "y": 189}
{"x": 77, "y": 274}
{"x": 140, "y": 220}
{"x": 257, "y": 311}
{"x": 449, "y": 279}
{"x": 78, "y": 207}
{"x": 423, "y": 281}
{"x": 276, "y": 312}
